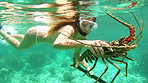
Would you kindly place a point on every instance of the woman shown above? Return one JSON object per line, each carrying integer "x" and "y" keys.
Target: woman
{"x": 68, "y": 34}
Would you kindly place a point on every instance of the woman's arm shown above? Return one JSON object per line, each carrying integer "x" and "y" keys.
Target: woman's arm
{"x": 63, "y": 40}
{"x": 76, "y": 55}
{"x": 76, "y": 61}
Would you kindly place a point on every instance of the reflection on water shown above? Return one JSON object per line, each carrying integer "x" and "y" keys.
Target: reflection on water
{"x": 46, "y": 65}
{"x": 24, "y": 11}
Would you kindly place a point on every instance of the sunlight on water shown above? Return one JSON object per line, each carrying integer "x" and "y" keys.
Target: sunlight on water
{"x": 43, "y": 64}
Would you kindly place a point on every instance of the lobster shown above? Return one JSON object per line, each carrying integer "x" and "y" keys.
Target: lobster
{"x": 120, "y": 48}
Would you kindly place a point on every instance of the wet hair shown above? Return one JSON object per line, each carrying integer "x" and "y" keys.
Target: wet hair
{"x": 59, "y": 25}
{"x": 73, "y": 21}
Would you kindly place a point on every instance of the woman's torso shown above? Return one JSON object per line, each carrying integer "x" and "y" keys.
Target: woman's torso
{"x": 43, "y": 36}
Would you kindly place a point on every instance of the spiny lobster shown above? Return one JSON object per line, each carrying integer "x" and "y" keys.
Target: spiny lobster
{"x": 120, "y": 48}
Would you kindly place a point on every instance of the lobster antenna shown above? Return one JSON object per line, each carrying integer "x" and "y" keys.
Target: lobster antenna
{"x": 136, "y": 18}
{"x": 140, "y": 27}
{"x": 121, "y": 18}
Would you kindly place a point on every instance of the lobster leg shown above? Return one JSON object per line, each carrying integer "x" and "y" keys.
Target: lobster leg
{"x": 128, "y": 58}
{"x": 92, "y": 67}
{"x": 116, "y": 67}
{"x": 94, "y": 64}
{"x": 126, "y": 67}
{"x": 104, "y": 70}
{"x": 124, "y": 56}
{"x": 89, "y": 59}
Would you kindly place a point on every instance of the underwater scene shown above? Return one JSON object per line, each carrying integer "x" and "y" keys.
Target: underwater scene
{"x": 43, "y": 64}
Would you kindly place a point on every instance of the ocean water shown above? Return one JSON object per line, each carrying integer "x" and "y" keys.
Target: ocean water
{"x": 43, "y": 64}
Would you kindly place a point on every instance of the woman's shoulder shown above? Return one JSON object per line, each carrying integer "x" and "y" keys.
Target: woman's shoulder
{"x": 67, "y": 28}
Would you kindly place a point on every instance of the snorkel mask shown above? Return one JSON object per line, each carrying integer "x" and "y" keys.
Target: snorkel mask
{"x": 88, "y": 25}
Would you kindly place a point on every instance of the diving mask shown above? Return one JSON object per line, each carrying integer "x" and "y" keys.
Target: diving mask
{"x": 87, "y": 25}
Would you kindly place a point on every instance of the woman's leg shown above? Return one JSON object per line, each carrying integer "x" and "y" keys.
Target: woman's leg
{"x": 28, "y": 40}
{"x": 18, "y": 36}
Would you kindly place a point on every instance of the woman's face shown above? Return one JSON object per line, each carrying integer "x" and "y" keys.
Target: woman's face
{"x": 87, "y": 25}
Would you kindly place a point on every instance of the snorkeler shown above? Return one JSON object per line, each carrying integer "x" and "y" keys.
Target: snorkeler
{"x": 68, "y": 34}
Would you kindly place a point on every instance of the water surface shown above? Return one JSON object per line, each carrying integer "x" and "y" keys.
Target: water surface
{"x": 43, "y": 64}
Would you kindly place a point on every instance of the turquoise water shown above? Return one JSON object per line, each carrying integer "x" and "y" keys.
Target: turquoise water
{"x": 43, "y": 64}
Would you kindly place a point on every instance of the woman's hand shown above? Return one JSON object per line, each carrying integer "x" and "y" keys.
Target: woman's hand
{"x": 96, "y": 47}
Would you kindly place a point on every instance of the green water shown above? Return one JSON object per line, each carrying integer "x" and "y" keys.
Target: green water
{"x": 43, "y": 64}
